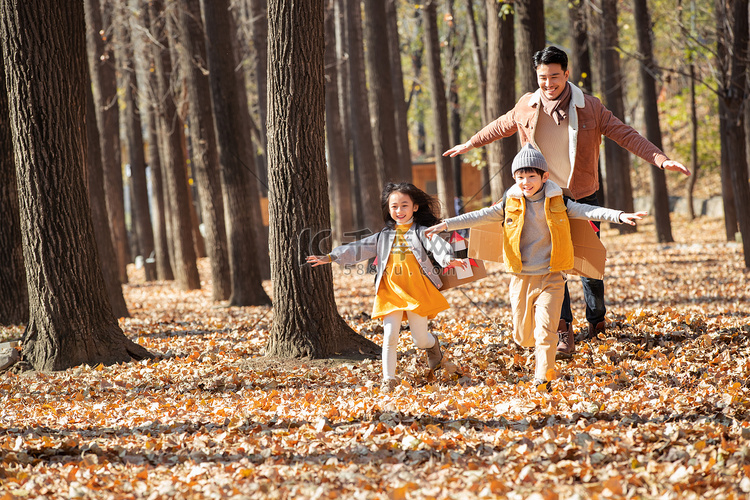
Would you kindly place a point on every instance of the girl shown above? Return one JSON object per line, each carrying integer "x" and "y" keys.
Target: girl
{"x": 407, "y": 282}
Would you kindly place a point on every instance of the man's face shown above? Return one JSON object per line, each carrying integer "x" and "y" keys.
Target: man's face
{"x": 551, "y": 79}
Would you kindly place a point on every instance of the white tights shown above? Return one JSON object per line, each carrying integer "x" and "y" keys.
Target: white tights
{"x": 391, "y": 331}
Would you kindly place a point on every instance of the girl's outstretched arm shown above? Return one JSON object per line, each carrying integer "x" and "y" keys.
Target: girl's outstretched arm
{"x": 318, "y": 260}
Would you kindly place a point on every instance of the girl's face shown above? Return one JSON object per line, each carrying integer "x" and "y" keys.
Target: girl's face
{"x": 530, "y": 182}
{"x": 401, "y": 207}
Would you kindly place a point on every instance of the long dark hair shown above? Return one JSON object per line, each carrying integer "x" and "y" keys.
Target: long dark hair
{"x": 428, "y": 211}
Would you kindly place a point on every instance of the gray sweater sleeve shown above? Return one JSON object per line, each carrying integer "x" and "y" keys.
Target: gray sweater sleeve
{"x": 590, "y": 212}
{"x": 476, "y": 218}
{"x": 357, "y": 251}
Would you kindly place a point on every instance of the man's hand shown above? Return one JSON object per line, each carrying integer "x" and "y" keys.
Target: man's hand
{"x": 676, "y": 166}
{"x": 459, "y": 149}
{"x": 437, "y": 228}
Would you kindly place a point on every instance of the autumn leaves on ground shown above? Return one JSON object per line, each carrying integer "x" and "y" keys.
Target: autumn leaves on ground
{"x": 656, "y": 408}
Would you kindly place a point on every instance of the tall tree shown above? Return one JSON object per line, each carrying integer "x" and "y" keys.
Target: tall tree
{"x": 580, "y": 56}
{"x": 259, "y": 17}
{"x": 481, "y": 75}
{"x": 14, "y": 297}
{"x": 99, "y": 219}
{"x": 134, "y": 144}
{"x": 241, "y": 210}
{"x": 454, "y": 119}
{"x": 399, "y": 99}
{"x": 380, "y": 86}
{"x": 70, "y": 318}
{"x": 531, "y": 38}
{"x": 649, "y": 72}
{"x": 104, "y": 80}
{"x": 174, "y": 166}
{"x": 369, "y": 184}
{"x": 734, "y": 97}
{"x": 445, "y": 185}
{"x": 618, "y": 189}
{"x": 205, "y": 154}
{"x": 305, "y": 320}
{"x": 338, "y": 153}
{"x": 501, "y": 68}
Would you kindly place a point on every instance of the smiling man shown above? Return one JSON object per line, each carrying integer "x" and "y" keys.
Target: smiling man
{"x": 567, "y": 126}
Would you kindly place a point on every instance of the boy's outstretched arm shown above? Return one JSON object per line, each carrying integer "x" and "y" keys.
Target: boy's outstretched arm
{"x": 437, "y": 228}
{"x": 630, "y": 218}
{"x": 318, "y": 260}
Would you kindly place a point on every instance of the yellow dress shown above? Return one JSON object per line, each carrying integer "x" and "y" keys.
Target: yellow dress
{"x": 404, "y": 287}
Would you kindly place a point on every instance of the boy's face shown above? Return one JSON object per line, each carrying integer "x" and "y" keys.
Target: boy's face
{"x": 551, "y": 79}
{"x": 530, "y": 182}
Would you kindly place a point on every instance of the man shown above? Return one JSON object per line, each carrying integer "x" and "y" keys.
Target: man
{"x": 567, "y": 126}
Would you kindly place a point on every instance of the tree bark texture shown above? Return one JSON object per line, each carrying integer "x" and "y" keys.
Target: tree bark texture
{"x": 338, "y": 154}
{"x": 95, "y": 185}
{"x": 649, "y": 71}
{"x": 454, "y": 104}
{"x": 104, "y": 81}
{"x": 580, "y": 56}
{"x": 619, "y": 189}
{"x": 305, "y": 322}
{"x": 14, "y": 296}
{"x": 370, "y": 185}
{"x": 501, "y": 68}
{"x": 481, "y": 70}
{"x": 134, "y": 146}
{"x": 259, "y": 16}
{"x": 445, "y": 186}
{"x": 241, "y": 209}
{"x": 530, "y": 14}
{"x": 174, "y": 166}
{"x": 735, "y": 97}
{"x": 205, "y": 154}
{"x": 70, "y": 318}
{"x": 380, "y": 83}
{"x": 399, "y": 99}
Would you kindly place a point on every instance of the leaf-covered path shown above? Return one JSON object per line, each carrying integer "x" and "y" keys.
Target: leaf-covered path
{"x": 656, "y": 408}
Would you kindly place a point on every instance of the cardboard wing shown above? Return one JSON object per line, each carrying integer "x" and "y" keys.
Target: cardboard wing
{"x": 455, "y": 276}
{"x": 486, "y": 243}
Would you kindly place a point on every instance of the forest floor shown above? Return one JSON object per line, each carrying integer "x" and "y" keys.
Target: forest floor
{"x": 658, "y": 407}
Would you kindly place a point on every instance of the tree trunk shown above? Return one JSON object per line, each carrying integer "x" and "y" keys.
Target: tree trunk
{"x": 619, "y": 189}
{"x": 134, "y": 143}
{"x": 454, "y": 117}
{"x": 399, "y": 99}
{"x": 479, "y": 66}
{"x": 100, "y": 222}
{"x": 694, "y": 165}
{"x": 380, "y": 86}
{"x": 259, "y": 15}
{"x": 305, "y": 320}
{"x": 338, "y": 155}
{"x": 104, "y": 81}
{"x": 501, "y": 68}
{"x": 445, "y": 186}
{"x": 648, "y": 70}
{"x": 14, "y": 297}
{"x": 174, "y": 166}
{"x": 580, "y": 59}
{"x": 70, "y": 318}
{"x": 530, "y": 14}
{"x": 369, "y": 184}
{"x": 241, "y": 210}
{"x": 205, "y": 157}
{"x": 735, "y": 96}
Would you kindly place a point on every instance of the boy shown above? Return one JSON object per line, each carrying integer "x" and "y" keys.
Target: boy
{"x": 537, "y": 249}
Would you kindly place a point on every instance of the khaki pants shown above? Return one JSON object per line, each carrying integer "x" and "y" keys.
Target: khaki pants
{"x": 535, "y": 302}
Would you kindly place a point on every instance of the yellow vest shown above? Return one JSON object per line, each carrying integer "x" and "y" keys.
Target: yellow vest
{"x": 561, "y": 255}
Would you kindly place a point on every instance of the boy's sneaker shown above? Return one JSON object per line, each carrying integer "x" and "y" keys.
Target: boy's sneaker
{"x": 566, "y": 345}
{"x": 434, "y": 355}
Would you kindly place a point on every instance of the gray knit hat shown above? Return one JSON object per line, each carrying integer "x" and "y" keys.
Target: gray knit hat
{"x": 529, "y": 157}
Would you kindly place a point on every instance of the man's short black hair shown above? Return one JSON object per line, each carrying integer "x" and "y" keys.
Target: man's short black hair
{"x": 551, "y": 55}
